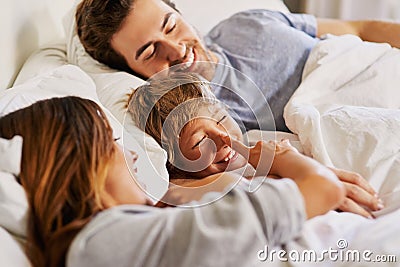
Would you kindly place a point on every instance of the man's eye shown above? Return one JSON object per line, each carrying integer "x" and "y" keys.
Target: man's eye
{"x": 221, "y": 120}
{"x": 171, "y": 24}
{"x": 150, "y": 53}
{"x": 171, "y": 28}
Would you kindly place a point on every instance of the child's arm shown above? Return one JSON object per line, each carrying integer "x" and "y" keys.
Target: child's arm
{"x": 319, "y": 186}
{"x": 183, "y": 191}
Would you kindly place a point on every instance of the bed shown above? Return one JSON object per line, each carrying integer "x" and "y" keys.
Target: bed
{"x": 41, "y": 57}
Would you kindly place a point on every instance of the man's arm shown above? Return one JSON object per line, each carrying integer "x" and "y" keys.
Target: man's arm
{"x": 367, "y": 30}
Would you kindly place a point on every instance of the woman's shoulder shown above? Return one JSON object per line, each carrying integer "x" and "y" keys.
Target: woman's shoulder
{"x": 120, "y": 230}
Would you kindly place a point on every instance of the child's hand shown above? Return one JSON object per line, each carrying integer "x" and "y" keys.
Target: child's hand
{"x": 361, "y": 198}
{"x": 262, "y": 154}
{"x": 283, "y": 146}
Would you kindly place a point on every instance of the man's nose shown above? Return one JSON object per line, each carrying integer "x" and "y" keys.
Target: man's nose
{"x": 174, "y": 51}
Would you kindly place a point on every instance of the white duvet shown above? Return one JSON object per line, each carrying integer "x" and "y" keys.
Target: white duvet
{"x": 346, "y": 114}
{"x": 346, "y": 110}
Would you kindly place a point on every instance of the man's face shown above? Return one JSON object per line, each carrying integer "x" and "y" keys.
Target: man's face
{"x": 155, "y": 37}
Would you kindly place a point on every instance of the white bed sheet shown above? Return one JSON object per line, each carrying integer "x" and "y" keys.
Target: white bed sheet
{"x": 346, "y": 114}
{"x": 346, "y": 110}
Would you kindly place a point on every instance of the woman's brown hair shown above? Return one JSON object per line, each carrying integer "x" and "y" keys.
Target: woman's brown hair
{"x": 67, "y": 144}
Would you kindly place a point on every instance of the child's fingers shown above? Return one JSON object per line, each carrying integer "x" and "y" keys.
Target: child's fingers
{"x": 237, "y": 146}
{"x": 353, "y": 178}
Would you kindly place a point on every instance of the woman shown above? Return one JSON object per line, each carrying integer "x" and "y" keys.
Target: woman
{"x": 201, "y": 138}
{"x": 75, "y": 179}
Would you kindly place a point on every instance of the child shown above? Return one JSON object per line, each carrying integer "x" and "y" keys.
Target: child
{"x": 187, "y": 120}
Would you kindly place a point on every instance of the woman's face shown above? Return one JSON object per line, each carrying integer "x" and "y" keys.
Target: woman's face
{"x": 121, "y": 187}
{"x": 202, "y": 146}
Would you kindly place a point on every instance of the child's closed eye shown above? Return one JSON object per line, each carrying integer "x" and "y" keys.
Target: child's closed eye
{"x": 199, "y": 142}
{"x": 221, "y": 120}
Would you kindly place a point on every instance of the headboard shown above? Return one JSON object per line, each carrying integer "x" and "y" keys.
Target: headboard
{"x": 25, "y": 26}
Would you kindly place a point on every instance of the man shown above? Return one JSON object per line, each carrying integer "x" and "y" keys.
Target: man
{"x": 254, "y": 54}
{"x": 262, "y": 47}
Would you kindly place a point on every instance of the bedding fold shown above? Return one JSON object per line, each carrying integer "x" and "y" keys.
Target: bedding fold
{"x": 346, "y": 110}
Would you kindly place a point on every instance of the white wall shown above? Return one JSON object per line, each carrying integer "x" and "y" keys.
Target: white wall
{"x": 354, "y": 9}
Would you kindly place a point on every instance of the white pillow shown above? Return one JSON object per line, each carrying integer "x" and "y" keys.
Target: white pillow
{"x": 13, "y": 204}
{"x": 11, "y": 253}
{"x": 113, "y": 89}
{"x": 71, "y": 80}
{"x": 45, "y": 59}
{"x": 10, "y": 155}
{"x": 61, "y": 81}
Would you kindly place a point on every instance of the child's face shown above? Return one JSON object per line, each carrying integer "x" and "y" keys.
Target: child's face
{"x": 202, "y": 145}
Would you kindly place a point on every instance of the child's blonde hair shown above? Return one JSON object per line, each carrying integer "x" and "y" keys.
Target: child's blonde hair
{"x": 164, "y": 105}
